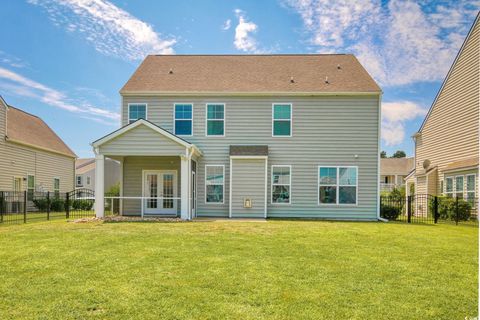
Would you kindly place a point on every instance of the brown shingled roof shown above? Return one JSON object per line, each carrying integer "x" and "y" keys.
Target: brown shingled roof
{"x": 254, "y": 150}
{"x": 251, "y": 74}
{"x": 465, "y": 163}
{"x": 400, "y": 166}
{"x": 25, "y": 128}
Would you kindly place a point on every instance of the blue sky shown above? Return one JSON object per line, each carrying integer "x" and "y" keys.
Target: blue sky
{"x": 66, "y": 60}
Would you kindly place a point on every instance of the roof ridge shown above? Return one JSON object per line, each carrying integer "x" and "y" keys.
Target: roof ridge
{"x": 253, "y": 55}
{"x": 30, "y": 114}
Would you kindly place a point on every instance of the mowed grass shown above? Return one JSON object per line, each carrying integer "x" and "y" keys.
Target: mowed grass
{"x": 238, "y": 270}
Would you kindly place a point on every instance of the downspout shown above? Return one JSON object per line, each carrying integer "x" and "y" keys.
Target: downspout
{"x": 378, "y": 156}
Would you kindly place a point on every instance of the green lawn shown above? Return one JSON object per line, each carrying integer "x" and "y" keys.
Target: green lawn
{"x": 238, "y": 270}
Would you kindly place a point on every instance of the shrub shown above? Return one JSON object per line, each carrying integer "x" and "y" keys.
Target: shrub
{"x": 84, "y": 205}
{"x": 57, "y": 205}
{"x": 41, "y": 204}
{"x": 447, "y": 209}
{"x": 391, "y": 212}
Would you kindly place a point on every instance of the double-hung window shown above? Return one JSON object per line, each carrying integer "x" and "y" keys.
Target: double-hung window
{"x": 471, "y": 188}
{"x": 79, "y": 181}
{"x": 282, "y": 120}
{"x": 337, "y": 185}
{"x": 214, "y": 183}
{"x": 216, "y": 119}
{"x": 137, "y": 111}
{"x": 30, "y": 186}
{"x": 56, "y": 187}
{"x": 183, "y": 119}
{"x": 449, "y": 187}
{"x": 459, "y": 186}
{"x": 281, "y": 184}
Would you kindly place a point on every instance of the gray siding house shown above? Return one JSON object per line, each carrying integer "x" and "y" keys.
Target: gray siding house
{"x": 257, "y": 136}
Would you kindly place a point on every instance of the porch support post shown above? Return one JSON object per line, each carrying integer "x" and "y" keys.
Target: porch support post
{"x": 184, "y": 197}
{"x": 120, "y": 202}
{"x": 99, "y": 185}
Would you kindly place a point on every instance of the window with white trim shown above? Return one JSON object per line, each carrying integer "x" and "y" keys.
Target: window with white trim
{"x": 471, "y": 184}
{"x": 214, "y": 183}
{"x": 137, "y": 111}
{"x": 79, "y": 181}
{"x": 30, "y": 186}
{"x": 215, "y": 119}
{"x": 459, "y": 186}
{"x": 281, "y": 184}
{"x": 88, "y": 180}
{"x": 183, "y": 119}
{"x": 56, "y": 187}
{"x": 449, "y": 187}
{"x": 282, "y": 120}
{"x": 337, "y": 185}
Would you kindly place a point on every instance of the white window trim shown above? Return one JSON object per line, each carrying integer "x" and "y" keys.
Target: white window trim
{"x": 474, "y": 185}
{"x": 278, "y": 184}
{"x": 174, "y": 119}
{"x": 76, "y": 180}
{"x": 59, "y": 186}
{"x": 34, "y": 181}
{"x": 291, "y": 119}
{"x": 224, "y": 120}
{"x": 136, "y": 103}
{"x": 223, "y": 186}
{"x": 337, "y": 185}
{"x": 455, "y": 191}
{"x": 445, "y": 192}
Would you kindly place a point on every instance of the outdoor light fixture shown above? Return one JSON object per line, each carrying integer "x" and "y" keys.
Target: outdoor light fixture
{"x": 247, "y": 203}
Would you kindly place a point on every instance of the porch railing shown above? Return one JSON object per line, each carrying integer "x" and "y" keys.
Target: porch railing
{"x": 149, "y": 206}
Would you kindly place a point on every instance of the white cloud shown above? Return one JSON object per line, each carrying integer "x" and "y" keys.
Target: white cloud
{"x": 244, "y": 40}
{"x": 11, "y": 60}
{"x": 394, "y": 117}
{"x": 227, "y": 24}
{"x": 399, "y": 42}
{"x": 111, "y": 30}
{"x": 19, "y": 85}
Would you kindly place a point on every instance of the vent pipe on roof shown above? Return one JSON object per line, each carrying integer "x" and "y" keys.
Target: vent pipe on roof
{"x": 338, "y": 67}
{"x": 291, "y": 80}
{"x": 171, "y": 71}
{"x": 326, "y": 80}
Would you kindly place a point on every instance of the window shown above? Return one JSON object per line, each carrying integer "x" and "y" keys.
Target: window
{"x": 88, "y": 180}
{"x": 214, "y": 184}
{"x": 282, "y": 120}
{"x": 56, "y": 187}
{"x": 30, "y": 187}
{"x": 281, "y": 182}
{"x": 449, "y": 187}
{"x": 337, "y": 185}
{"x": 471, "y": 188}
{"x": 459, "y": 186}
{"x": 215, "y": 119}
{"x": 79, "y": 181}
{"x": 183, "y": 120}
{"x": 136, "y": 111}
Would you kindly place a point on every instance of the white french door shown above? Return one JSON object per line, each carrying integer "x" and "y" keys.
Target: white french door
{"x": 160, "y": 190}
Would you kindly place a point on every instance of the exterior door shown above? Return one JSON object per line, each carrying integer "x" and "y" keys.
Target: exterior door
{"x": 17, "y": 184}
{"x": 160, "y": 190}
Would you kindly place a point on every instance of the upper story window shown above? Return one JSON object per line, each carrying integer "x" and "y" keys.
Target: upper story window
{"x": 137, "y": 111}
{"x": 337, "y": 185}
{"x": 282, "y": 120}
{"x": 215, "y": 120}
{"x": 281, "y": 183}
{"x": 183, "y": 119}
{"x": 79, "y": 181}
{"x": 214, "y": 183}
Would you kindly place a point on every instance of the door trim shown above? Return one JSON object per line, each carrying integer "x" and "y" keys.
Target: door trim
{"x": 175, "y": 191}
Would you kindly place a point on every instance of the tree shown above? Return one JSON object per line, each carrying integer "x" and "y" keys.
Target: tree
{"x": 399, "y": 154}
{"x": 383, "y": 154}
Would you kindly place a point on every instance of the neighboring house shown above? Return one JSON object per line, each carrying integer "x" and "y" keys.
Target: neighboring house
{"x": 393, "y": 172}
{"x": 85, "y": 173}
{"x": 33, "y": 158}
{"x": 446, "y": 146}
{"x": 247, "y": 136}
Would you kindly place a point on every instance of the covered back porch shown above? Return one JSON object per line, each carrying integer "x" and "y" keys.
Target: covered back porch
{"x": 157, "y": 171}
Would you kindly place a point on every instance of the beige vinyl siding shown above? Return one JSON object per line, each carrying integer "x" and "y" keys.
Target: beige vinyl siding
{"x": 248, "y": 182}
{"x": 141, "y": 141}
{"x": 432, "y": 184}
{"x": 3, "y": 120}
{"x": 133, "y": 177}
{"x": 327, "y": 130}
{"x": 450, "y": 132}
{"x": 421, "y": 185}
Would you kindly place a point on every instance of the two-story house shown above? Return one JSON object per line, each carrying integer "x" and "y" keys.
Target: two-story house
{"x": 33, "y": 158}
{"x": 447, "y": 144}
{"x": 85, "y": 173}
{"x": 247, "y": 136}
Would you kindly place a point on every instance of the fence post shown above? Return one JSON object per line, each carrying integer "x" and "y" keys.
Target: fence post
{"x": 2, "y": 205}
{"x": 67, "y": 205}
{"x": 25, "y": 206}
{"x": 456, "y": 210}
{"x": 435, "y": 209}
{"x": 409, "y": 209}
{"x": 48, "y": 205}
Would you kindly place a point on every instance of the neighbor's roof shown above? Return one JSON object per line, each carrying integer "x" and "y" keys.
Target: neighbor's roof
{"x": 464, "y": 163}
{"x": 399, "y": 166}
{"x": 251, "y": 74}
{"x": 254, "y": 150}
{"x": 25, "y": 128}
{"x": 84, "y": 165}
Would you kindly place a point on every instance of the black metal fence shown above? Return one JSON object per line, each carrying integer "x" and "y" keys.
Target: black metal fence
{"x": 426, "y": 208}
{"x": 23, "y": 206}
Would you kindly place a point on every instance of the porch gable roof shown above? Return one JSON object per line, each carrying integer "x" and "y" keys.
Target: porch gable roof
{"x": 109, "y": 137}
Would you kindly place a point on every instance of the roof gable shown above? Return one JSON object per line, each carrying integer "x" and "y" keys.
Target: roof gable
{"x": 25, "y": 128}
{"x": 230, "y": 74}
